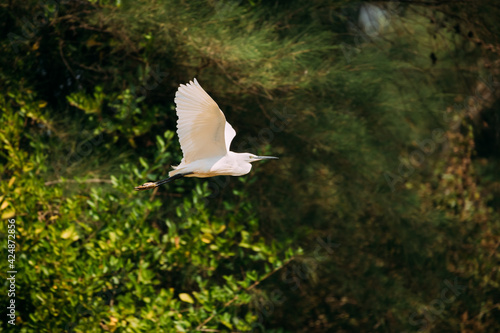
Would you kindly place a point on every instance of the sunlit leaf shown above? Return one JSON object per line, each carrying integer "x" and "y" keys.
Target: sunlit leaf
{"x": 186, "y": 298}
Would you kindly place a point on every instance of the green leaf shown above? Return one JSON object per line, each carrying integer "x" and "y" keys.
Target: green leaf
{"x": 186, "y": 298}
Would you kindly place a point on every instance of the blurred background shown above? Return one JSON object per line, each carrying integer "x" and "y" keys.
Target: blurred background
{"x": 382, "y": 214}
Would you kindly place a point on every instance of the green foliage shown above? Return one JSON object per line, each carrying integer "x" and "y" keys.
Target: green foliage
{"x": 386, "y": 188}
{"x": 133, "y": 267}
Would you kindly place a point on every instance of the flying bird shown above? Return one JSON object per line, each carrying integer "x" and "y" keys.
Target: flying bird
{"x": 205, "y": 137}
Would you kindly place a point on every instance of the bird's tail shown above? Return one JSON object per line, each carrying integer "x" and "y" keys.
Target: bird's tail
{"x": 175, "y": 171}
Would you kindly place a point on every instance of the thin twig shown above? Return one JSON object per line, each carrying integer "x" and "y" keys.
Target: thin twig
{"x": 64, "y": 60}
{"x": 58, "y": 181}
{"x": 199, "y": 328}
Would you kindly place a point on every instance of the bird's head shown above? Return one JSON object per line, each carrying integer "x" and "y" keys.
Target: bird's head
{"x": 254, "y": 158}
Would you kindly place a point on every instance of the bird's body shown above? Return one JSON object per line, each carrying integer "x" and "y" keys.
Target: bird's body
{"x": 205, "y": 137}
{"x": 231, "y": 164}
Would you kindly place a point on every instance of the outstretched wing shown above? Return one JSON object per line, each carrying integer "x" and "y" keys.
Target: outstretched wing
{"x": 229, "y": 133}
{"x": 202, "y": 128}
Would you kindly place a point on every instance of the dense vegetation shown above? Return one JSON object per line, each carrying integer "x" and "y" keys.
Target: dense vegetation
{"x": 382, "y": 214}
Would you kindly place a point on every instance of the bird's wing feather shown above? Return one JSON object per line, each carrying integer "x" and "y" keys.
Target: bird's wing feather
{"x": 229, "y": 133}
{"x": 202, "y": 128}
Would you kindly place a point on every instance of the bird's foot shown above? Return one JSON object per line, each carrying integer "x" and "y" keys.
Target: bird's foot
{"x": 145, "y": 186}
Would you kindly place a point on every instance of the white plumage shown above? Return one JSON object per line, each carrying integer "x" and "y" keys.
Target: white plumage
{"x": 205, "y": 137}
{"x": 202, "y": 128}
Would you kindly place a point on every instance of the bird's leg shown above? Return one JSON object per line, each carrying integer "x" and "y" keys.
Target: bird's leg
{"x": 150, "y": 185}
{"x": 169, "y": 179}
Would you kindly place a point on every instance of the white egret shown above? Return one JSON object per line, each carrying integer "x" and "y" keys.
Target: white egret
{"x": 205, "y": 137}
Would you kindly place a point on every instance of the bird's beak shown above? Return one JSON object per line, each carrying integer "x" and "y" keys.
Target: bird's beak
{"x": 266, "y": 158}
